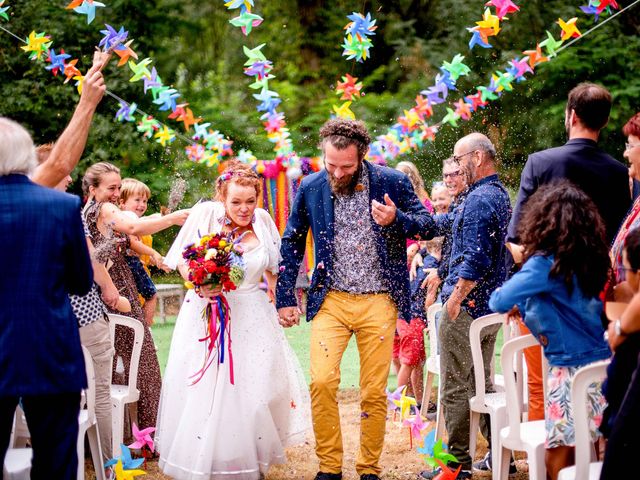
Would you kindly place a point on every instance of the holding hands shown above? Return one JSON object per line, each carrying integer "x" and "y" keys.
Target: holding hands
{"x": 289, "y": 316}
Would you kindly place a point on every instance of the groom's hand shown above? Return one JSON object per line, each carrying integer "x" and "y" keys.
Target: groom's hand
{"x": 289, "y": 316}
{"x": 383, "y": 213}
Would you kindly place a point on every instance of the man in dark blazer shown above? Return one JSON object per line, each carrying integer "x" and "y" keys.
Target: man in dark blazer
{"x": 360, "y": 216}
{"x": 600, "y": 176}
{"x": 44, "y": 258}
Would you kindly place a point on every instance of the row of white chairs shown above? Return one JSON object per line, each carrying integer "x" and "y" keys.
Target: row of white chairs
{"x": 17, "y": 464}
{"x": 508, "y": 405}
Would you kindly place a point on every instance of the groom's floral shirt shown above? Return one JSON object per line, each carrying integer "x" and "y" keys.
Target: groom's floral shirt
{"x": 356, "y": 264}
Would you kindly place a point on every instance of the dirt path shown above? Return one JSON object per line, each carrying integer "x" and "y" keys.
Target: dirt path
{"x": 399, "y": 462}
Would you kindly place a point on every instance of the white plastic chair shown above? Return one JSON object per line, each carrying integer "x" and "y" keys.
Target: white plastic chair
{"x": 122, "y": 395}
{"x": 433, "y": 367}
{"x": 584, "y": 468}
{"x": 87, "y": 423}
{"x": 495, "y": 403}
{"x": 20, "y": 434}
{"x": 518, "y": 435}
{"x": 17, "y": 464}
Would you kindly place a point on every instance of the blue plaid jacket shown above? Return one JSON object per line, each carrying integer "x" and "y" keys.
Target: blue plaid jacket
{"x": 44, "y": 257}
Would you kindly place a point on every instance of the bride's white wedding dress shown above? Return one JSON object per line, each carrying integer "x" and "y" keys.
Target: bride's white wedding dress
{"x": 214, "y": 429}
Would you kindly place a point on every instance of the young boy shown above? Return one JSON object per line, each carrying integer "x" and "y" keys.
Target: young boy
{"x": 134, "y": 196}
{"x": 409, "y": 352}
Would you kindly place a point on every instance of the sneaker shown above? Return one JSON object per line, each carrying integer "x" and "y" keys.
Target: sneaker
{"x": 485, "y": 465}
{"x": 430, "y": 475}
{"x": 328, "y": 476}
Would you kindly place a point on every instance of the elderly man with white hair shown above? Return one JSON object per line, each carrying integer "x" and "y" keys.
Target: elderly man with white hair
{"x": 44, "y": 258}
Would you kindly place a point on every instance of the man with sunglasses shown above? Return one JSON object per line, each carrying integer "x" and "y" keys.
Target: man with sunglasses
{"x": 476, "y": 269}
{"x": 454, "y": 182}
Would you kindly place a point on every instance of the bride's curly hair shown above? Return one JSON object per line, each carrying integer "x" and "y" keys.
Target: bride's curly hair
{"x": 240, "y": 173}
{"x": 561, "y": 220}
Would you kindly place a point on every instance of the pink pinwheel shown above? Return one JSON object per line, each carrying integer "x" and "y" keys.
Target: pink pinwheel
{"x": 416, "y": 425}
{"x": 143, "y": 438}
{"x": 503, "y": 7}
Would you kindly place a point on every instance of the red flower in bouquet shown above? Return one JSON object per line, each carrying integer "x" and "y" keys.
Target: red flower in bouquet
{"x": 215, "y": 260}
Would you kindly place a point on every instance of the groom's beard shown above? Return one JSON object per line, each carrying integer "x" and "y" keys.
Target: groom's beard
{"x": 346, "y": 185}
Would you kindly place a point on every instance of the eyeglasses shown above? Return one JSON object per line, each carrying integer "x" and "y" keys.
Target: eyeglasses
{"x": 451, "y": 175}
{"x": 629, "y": 146}
{"x": 456, "y": 158}
{"x": 622, "y": 271}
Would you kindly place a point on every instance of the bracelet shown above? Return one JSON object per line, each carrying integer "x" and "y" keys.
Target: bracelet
{"x": 618, "y": 328}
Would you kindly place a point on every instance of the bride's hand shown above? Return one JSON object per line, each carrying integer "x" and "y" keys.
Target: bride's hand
{"x": 209, "y": 291}
{"x": 289, "y": 316}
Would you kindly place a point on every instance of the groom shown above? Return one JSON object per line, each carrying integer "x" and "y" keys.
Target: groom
{"x": 360, "y": 217}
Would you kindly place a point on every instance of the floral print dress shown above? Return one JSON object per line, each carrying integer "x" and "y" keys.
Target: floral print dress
{"x": 149, "y": 380}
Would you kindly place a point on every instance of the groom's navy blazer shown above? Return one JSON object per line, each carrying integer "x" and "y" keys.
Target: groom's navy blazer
{"x": 313, "y": 208}
{"x": 44, "y": 258}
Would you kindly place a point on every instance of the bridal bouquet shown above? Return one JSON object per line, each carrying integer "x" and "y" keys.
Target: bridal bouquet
{"x": 216, "y": 260}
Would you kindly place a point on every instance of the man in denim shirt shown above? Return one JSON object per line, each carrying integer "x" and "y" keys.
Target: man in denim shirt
{"x": 476, "y": 269}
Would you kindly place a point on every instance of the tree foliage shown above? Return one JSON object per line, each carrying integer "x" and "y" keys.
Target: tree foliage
{"x": 200, "y": 53}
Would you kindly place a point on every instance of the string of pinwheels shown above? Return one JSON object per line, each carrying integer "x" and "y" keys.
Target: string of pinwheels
{"x": 356, "y": 46}
{"x": 412, "y": 132}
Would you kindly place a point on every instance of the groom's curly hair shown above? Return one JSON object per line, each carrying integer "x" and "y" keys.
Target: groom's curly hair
{"x": 342, "y": 133}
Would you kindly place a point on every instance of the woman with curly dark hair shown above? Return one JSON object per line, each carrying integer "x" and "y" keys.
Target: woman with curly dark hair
{"x": 557, "y": 290}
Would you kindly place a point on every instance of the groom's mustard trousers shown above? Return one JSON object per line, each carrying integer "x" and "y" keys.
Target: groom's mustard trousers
{"x": 372, "y": 317}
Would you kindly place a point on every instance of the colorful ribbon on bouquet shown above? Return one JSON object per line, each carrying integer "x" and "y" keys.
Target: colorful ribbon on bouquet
{"x": 218, "y": 326}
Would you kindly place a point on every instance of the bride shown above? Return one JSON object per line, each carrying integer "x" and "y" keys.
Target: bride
{"x": 214, "y": 429}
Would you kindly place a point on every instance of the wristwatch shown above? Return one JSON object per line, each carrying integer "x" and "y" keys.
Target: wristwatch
{"x": 618, "y": 329}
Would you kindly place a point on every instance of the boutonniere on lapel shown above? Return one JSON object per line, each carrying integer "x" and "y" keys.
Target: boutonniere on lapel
{"x": 359, "y": 187}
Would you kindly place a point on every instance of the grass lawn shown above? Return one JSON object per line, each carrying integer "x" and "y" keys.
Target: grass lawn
{"x": 299, "y": 339}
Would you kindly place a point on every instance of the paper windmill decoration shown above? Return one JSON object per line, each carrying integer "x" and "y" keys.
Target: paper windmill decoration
{"x": 416, "y": 425}
{"x": 503, "y": 7}
{"x": 244, "y": 5}
{"x": 112, "y": 38}
{"x": 125, "y": 52}
{"x": 456, "y": 68}
{"x": 3, "y": 11}
{"x": 125, "y": 460}
{"x": 164, "y": 136}
{"x": 125, "y": 112}
{"x": 446, "y": 473}
{"x": 37, "y": 44}
{"x": 195, "y": 152}
{"x": 122, "y": 474}
{"x": 343, "y": 111}
{"x": 405, "y": 403}
{"x": 57, "y": 62}
{"x": 246, "y": 21}
{"x": 569, "y": 28}
{"x": 435, "y": 452}
{"x": 85, "y": 7}
{"x": 148, "y": 126}
{"x": 349, "y": 88}
{"x": 392, "y": 397}
{"x": 598, "y": 7}
{"x": 143, "y": 438}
